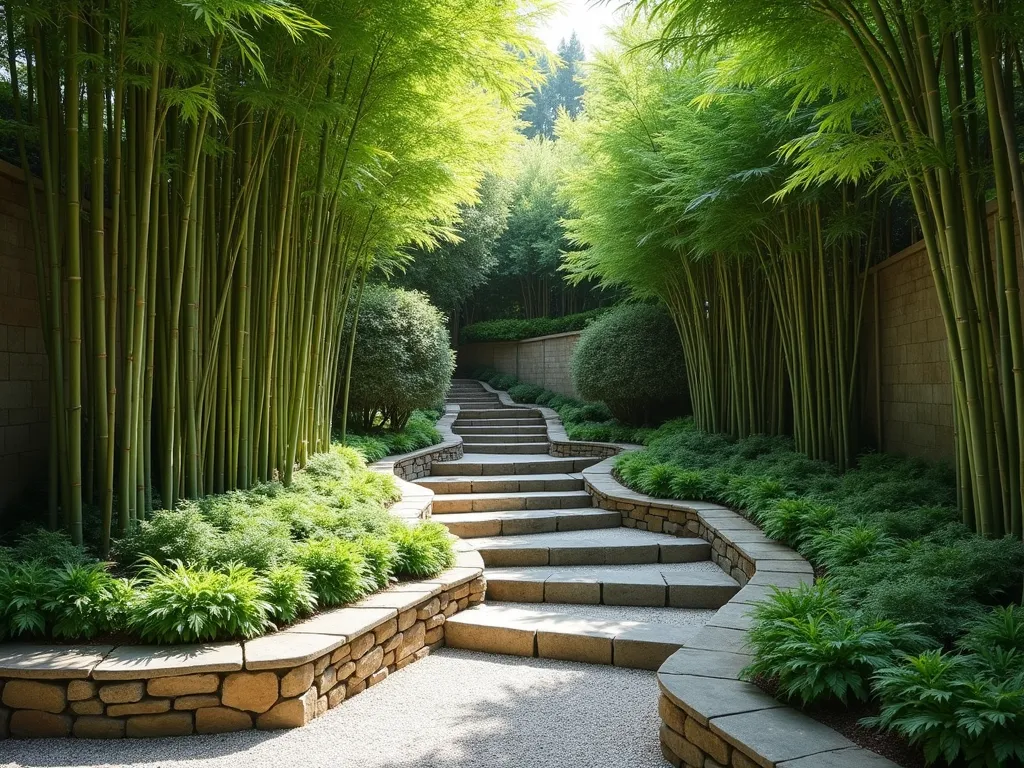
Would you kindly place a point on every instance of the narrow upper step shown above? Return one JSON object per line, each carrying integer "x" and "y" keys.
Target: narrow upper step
{"x": 497, "y": 502}
{"x": 503, "y": 448}
{"x": 496, "y": 413}
{"x": 599, "y": 547}
{"x": 500, "y": 429}
{"x": 676, "y": 585}
{"x": 560, "y": 481}
{"x": 522, "y": 522}
{"x": 561, "y": 634}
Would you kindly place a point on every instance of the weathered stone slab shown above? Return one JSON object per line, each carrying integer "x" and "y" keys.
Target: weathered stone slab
{"x": 774, "y": 735}
{"x": 399, "y": 601}
{"x": 718, "y": 664}
{"x": 853, "y": 757}
{"x": 647, "y": 646}
{"x": 56, "y": 662}
{"x": 343, "y": 622}
{"x": 135, "y": 662}
{"x": 720, "y": 639}
{"x": 705, "y": 698}
{"x": 288, "y": 649}
{"x": 733, "y": 616}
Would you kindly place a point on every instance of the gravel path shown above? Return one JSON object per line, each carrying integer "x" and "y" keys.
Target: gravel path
{"x": 453, "y": 709}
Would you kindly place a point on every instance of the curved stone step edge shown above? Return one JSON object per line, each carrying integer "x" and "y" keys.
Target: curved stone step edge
{"x": 551, "y": 635}
{"x": 706, "y": 710}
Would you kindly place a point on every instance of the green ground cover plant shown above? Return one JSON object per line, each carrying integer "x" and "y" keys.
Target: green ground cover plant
{"x": 912, "y": 610}
{"x": 419, "y": 432}
{"x": 232, "y": 565}
{"x": 517, "y": 329}
{"x": 582, "y": 421}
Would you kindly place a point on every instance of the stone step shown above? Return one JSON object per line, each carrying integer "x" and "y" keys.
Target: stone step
{"x": 616, "y": 546}
{"x": 520, "y": 522}
{"x": 480, "y": 406}
{"x": 496, "y": 464}
{"x": 532, "y": 421}
{"x": 503, "y": 413}
{"x": 503, "y": 483}
{"x": 510, "y": 448}
{"x": 500, "y": 502}
{"x": 473, "y": 438}
{"x": 674, "y": 585}
{"x": 554, "y": 634}
{"x": 492, "y": 429}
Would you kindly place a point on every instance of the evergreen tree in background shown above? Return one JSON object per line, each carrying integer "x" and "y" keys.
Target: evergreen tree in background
{"x": 562, "y": 89}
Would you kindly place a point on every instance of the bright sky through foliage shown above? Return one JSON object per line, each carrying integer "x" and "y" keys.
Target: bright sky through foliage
{"x": 590, "y": 20}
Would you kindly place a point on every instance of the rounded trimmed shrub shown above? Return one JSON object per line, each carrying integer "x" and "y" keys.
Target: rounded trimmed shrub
{"x": 632, "y": 361}
{"x": 402, "y": 359}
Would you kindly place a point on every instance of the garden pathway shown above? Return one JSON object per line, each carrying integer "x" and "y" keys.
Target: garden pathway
{"x": 566, "y": 583}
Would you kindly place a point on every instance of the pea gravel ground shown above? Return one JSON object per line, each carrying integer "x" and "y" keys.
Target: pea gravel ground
{"x": 453, "y": 709}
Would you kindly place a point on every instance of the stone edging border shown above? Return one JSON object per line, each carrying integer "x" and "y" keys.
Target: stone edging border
{"x": 711, "y": 718}
{"x": 281, "y": 680}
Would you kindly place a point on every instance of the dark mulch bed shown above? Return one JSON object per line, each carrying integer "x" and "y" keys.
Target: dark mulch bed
{"x": 846, "y": 720}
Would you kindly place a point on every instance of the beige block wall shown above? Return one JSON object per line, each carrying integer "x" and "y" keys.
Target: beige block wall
{"x": 543, "y": 361}
{"x": 905, "y": 364}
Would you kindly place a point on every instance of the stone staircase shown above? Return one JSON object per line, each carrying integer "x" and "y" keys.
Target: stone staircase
{"x": 565, "y": 580}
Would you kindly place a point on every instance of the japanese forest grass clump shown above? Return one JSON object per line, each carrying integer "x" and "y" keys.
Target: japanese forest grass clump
{"x": 380, "y": 441}
{"x": 582, "y": 420}
{"x": 233, "y": 565}
{"x": 914, "y": 612}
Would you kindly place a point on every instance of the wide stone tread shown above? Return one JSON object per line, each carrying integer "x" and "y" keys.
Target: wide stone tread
{"x": 603, "y": 547}
{"x": 554, "y": 635}
{"x": 492, "y": 413}
{"x": 474, "y": 439}
{"x": 498, "y": 502}
{"x": 531, "y": 448}
{"x": 521, "y": 522}
{"x": 679, "y": 585}
{"x": 501, "y": 429}
{"x": 488, "y": 465}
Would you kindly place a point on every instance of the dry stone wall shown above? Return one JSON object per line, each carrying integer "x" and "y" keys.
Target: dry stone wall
{"x": 282, "y": 680}
{"x": 277, "y": 681}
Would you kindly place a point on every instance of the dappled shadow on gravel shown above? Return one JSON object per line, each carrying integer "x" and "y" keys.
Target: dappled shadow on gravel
{"x": 455, "y": 709}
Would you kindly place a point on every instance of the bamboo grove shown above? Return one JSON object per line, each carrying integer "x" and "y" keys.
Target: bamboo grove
{"x": 216, "y": 179}
{"x": 873, "y": 104}
{"x": 678, "y": 201}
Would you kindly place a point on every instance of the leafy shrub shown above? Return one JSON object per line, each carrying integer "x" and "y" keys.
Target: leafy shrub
{"x": 178, "y": 604}
{"x": 424, "y": 550}
{"x": 419, "y": 432}
{"x": 795, "y": 521}
{"x": 53, "y": 548}
{"x": 337, "y": 569}
{"x": 25, "y": 590}
{"x": 289, "y": 593}
{"x": 515, "y": 330}
{"x": 85, "y": 601}
{"x": 402, "y": 359}
{"x": 953, "y": 711}
{"x": 817, "y": 649}
{"x": 257, "y": 541}
{"x": 632, "y": 361}
{"x": 381, "y": 558}
{"x": 181, "y": 535}
{"x": 525, "y": 393}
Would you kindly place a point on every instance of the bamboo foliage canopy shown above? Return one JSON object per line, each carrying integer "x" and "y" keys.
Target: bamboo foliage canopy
{"x": 917, "y": 99}
{"x": 256, "y": 159}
